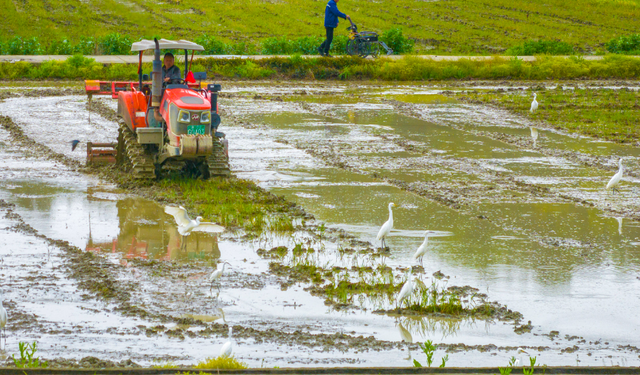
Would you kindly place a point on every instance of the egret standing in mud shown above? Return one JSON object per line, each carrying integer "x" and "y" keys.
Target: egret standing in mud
{"x": 186, "y": 225}
{"x": 386, "y": 228}
{"x": 422, "y": 249}
{"x": 407, "y": 289}
{"x": 217, "y": 275}
{"x": 615, "y": 180}
{"x": 227, "y": 348}
{"x": 534, "y": 103}
{"x": 3, "y": 322}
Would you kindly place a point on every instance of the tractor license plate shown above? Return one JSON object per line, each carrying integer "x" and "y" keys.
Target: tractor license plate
{"x": 196, "y": 129}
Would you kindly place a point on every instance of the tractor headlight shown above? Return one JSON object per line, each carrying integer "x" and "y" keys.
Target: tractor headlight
{"x": 205, "y": 117}
{"x": 184, "y": 116}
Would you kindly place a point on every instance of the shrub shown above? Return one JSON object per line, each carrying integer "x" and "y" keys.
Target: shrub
{"x": 86, "y": 46}
{"x": 114, "y": 44}
{"x": 22, "y": 46}
{"x": 396, "y": 41}
{"x": 212, "y": 45}
{"x": 276, "y": 46}
{"x": 629, "y": 44}
{"x": 541, "y": 47}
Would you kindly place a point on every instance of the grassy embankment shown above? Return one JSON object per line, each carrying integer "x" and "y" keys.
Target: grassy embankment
{"x": 440, "y": 27}
{"x": 295, "y": 67}
{"x": 602, "y": 113}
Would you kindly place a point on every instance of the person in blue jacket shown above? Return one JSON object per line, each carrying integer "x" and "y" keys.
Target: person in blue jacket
{"x": 331, "y": 14}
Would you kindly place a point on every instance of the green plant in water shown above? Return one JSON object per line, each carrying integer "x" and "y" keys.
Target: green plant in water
{"x": 221, "y": 363}
{"x": 429, "y": 349}
{"x": 27, "y": 359}
{"x": 529, "y": 371}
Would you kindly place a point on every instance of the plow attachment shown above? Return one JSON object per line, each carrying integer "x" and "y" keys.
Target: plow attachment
{"x": 101, "y": 153}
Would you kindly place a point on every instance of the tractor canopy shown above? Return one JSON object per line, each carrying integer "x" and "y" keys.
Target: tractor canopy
{"x": 146, "y": 44}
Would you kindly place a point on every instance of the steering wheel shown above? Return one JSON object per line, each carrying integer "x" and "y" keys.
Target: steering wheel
{"x": 175, "y": 81}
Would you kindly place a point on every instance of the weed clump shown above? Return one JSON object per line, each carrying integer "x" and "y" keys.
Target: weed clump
{"x": 221, "y": 363}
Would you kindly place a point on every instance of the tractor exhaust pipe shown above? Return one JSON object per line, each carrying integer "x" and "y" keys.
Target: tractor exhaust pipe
{"x": 156, "y": 83}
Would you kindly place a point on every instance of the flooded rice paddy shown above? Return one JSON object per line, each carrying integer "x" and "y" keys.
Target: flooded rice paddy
{"x": 525, "y": 221}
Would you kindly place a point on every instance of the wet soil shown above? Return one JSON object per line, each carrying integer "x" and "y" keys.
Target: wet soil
{"x": 154, "y": 293}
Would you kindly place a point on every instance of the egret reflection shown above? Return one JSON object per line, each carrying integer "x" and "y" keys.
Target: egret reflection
{"x": 146, "y": 232}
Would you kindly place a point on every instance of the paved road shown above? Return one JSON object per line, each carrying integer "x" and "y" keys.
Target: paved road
{"x": 121, "y": 59}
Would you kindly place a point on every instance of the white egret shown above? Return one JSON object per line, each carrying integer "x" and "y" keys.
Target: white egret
{"x": 217, "y": 275}
{"x": 519, "y": 353}
{"x": 386, "y": 228}
{"x": 227, "y": 348}
{"x": 534, "y": 103}
{"x": 534, "y": 135}
{"x": 422, "y": 249}
{"x": 615, "y": 180}
{"x": 3, "y": 322}
{"x": 407, "y": 289}
{"x": 186, "y": 225}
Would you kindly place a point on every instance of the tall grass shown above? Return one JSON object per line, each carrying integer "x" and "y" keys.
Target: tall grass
{"x": 349, "y": 68}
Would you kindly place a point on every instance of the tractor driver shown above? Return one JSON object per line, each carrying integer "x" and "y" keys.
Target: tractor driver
{"x": 170, "y": 71}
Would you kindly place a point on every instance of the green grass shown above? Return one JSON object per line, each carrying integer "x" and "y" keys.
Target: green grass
{"x": 602, "y": 113}
{"x": 230, "y": 202}
{"x": 407, "y": 68}
{"x": 221, "y": 363}
{"x": 441, "y": 27}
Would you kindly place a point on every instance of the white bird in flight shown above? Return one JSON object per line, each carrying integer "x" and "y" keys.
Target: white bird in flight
{"x": 615, "y": 180}
{"x": 186, "y": 225}
{"x": 422, "y": 249}
{"x": 3, "y": 322}
{"x": 217, "y": 275}
{"x": 386, "y": 228}
{"x": 407, "y": 288}
{"x": 534, "y": 103}
{"x": 227, "y": 348}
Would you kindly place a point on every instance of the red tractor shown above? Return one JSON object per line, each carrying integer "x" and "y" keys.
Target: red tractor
{"x": 166, "y": 123}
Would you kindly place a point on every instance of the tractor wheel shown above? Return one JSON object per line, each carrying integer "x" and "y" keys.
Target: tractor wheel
{"x": 218, "y": 161}
{"x": 140, "y": 161}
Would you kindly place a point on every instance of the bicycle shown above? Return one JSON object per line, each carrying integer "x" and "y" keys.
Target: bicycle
{"x": 364, "y": 43}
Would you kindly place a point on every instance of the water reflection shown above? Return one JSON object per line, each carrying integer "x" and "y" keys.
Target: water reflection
{"x": 146, "y": 232}
{"x": 534, "y": 135}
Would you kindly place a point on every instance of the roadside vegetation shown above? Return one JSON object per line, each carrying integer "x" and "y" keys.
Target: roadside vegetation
{"x": 455, "y": 27}
{"x": 347, "y": 68}
{"x": 603, "y": 113}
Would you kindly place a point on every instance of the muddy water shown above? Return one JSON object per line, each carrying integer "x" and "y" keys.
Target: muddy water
{"x": 568, "y": 267}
